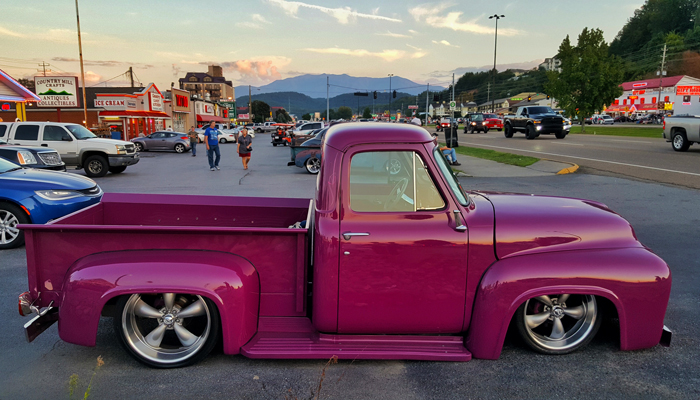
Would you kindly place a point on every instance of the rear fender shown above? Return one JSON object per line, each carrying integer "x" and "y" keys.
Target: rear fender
{"x": 636, "y": 281}
{"x": 229, "y": 281}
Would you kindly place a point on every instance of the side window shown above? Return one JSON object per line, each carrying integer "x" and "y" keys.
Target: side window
{"x": 157, "y": 135}
{"x": 391, "y": 181}
{"x": 27, "y": 132}
{"x": 3, "y": 128}
{"x": 53, "y": 133}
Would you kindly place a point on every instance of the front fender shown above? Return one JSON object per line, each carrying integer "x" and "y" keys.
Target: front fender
{"x": 228, "y": 280}
{"x": 635, "y": 280}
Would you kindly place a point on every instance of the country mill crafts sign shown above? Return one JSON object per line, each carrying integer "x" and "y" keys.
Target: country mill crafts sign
{"x": 57, "y": 91}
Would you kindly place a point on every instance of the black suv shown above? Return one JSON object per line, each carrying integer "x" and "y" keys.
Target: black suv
{"x": 533, "y": 121}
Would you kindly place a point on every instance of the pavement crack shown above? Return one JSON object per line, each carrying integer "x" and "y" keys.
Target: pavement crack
{"x": 240, "y": 181}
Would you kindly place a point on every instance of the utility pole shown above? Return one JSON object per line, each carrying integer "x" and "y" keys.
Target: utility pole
{"x": 131, "y": 75}
{"x": 488, "y": 94}
{"x": 390, "y": 75}
{"x": 328, "y": 103}
{"x": 661, "y": 74}
{"x": 82, "y": 68}
{"x": 44, "y": 65}
{"x": 453, "y": 98}
{"x": 495, "y": 47}
{"x": 250, "y": 109}
{"x": 427, "y": 104}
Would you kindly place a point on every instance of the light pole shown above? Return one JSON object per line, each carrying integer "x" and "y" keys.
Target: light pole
{"x": 390, "y": 75}
{"x": 82, "y": 69}
{"x": 495, "y": 47}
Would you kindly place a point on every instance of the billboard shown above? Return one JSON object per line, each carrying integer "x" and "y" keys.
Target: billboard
{"x": 57, "y": 91}
{"x": 688, "y": 91}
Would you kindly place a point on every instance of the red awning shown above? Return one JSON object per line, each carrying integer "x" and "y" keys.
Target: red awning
{"x": 647, "y": 107}
{"x": 617, "y": 108}
{"x": 208, "y": 118}
{"x": 134, "y": 114}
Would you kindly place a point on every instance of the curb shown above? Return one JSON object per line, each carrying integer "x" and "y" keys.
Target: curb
{"x": 569, "y": 170}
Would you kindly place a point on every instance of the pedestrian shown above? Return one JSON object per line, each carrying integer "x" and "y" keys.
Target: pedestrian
{"x": 211, "y": 137}
{"x": 193, "y": 140}
{"x": 446, "y": 151}
{"x": 244, "y": 147}
{"x": 416, "y": 121}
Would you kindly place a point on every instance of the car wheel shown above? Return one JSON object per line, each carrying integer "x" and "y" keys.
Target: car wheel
{"x": 139, "y": 146}
{"x": 258, "y": 130}
{"x": 222, "y": 140}
{"x": 680, "y": 142}
{"x": 486, "y": 129}
{"x": 167, "y": 330}
{"x": 560, "y": 134}
{"x": 531, "y": 132}
{"x": 180, "y": 148}
{"x": 313, "y": 165}
{"x": 508, "y": 131}
{"x": 96, "y": 167}
{"x": 558, "y": 324}
{"x": 10, "y": 217}
{"x": 117, "y": 170}
{"x": 274, "y": 144}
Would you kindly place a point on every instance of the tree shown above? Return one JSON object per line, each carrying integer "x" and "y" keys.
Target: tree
{"x": 261, "y": 111}
{"x": 282, "y": 117}
{"x": 344, "y": 112}
{"x": 306, "y": 117}
{"x": 367, "y": 113}
{"x": 589, "y": 77}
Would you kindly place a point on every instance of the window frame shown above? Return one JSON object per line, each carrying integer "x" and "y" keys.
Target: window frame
{"x": 23, "y": 127}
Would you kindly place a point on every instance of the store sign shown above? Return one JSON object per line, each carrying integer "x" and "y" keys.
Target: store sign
{"x": 131, "y": 104}
{"x": 688, "y": 90}
{"x": 110, "y": 104}
{"x": 156, "y": 101}
{"x": 637, "y": 92}
{"x": 243, "y": 116}
{"x": 57, "y": 91}
{"x": 639, "y": 85}
{"x": 412, "y": 107}
{"x": 182, "y": 101}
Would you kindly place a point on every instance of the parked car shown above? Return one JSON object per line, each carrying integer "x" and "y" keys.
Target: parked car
{"x": 622, "y": 118}
{"x": 308, "y": 127}
{"x": 163, "y": 140}
{"x": 392, "y": 259}
{"x": 77, "y": 146}
{"x": 308, "y": 154}
{"x": 605, "y": 120}
{"x": 32, "y": 157}
{"x": 35, "y": 196}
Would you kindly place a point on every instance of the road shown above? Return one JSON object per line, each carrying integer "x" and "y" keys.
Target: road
{"x": 665, "y": 218}
{"x": 641, "y": 158}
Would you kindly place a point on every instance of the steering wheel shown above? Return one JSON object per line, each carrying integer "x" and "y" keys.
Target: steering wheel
{"x": 395, "y": 195}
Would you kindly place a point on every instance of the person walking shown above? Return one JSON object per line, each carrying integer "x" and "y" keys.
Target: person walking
{"x": 211, "y": 138}
{"x": 193, "y": 140}
{"x": 244, "y": 147}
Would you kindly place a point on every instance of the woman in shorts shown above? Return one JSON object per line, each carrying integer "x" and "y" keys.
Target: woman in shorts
{"x": 244, "y": 147}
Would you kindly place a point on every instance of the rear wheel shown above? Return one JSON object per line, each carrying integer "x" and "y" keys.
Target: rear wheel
{"x": 117, "y": 170}
{"x": 167, "y": 330}
{"x": 10, "y": 217}
{"x": 313, "y": 165}
{"x": 274, "y": 144}
{"x": 680, "y": 142}
{"x": 96, "y": 167}
{"x": 180, "y": 148}
{"x": 508, "y": 131}
{"x": 531, "y": 132}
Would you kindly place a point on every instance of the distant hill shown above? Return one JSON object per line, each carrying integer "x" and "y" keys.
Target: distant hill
{"x": 314, "y": 86}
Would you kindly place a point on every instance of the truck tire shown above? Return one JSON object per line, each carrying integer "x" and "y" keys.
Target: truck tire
{"x": 531, "y": 132}
{"x": 274, "y": 144}
{"x": 486, "y": 129}
{"x": 560, "y": 135}
{"x": 10, "y": 217}
{"x": 680, "y": 142}
{"x": 96, "y": 166}
{"x": 151, "y": 327}
{"x": 312, "y": 165}
{"x": 117, "y": 170}
{"x": 508, "y": 131}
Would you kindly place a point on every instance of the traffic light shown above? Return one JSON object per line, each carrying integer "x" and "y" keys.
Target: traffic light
{"x": 375, "y": 94}
{"x": 529, "y": 98}
{"x": 547, "y": 97}
{"x": 393, "y": 94}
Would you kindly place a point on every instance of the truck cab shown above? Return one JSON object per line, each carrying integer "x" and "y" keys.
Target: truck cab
{"x": 533, "y": 121}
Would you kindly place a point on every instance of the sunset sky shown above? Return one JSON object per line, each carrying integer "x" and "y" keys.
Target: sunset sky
{"x": 258, "y": 41}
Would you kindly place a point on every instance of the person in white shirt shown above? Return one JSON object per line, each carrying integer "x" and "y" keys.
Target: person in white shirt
{"x": 416, "y": 121}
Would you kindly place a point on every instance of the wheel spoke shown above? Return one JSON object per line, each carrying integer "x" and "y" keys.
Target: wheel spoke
{"x": 156, "y": 336}
{"x": 544, "y": 299}
{"x": 193, "y": 310}
{"x": 563, "y": 298}
{"x": 169, "y": 299}
{"x": 557, "y": 330}
{"x": 144, "y": 310}
{"x": 186, "y": 337}
{"x": 533, "y": 321}
{"x": 574, "y": 312}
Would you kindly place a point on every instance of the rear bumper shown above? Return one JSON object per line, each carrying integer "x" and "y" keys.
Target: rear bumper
{"x": 123, "y": 161}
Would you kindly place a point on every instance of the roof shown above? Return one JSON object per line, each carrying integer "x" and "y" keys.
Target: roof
{"x": 652, "y": 83}
{"x": 11, "y": 90}
{"x": 200, "y": 78}
{"x": 341, "y": 136}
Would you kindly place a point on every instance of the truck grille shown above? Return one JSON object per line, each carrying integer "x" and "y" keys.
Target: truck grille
{"x": 552, "y": 120}
{"x": 130, "y": 148}
{"x": 50, "y": 158}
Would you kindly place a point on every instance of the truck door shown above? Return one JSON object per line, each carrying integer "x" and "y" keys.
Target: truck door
{"x": 403, "y": 263}
{"x": 58, "y": 138}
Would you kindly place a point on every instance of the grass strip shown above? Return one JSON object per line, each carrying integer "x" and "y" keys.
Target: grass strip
{"x": 632, "y": 131}
{"x": 503, "y": 158}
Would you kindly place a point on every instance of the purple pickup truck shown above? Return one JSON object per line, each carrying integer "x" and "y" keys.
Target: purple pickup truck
{"x": 392, "y": 259}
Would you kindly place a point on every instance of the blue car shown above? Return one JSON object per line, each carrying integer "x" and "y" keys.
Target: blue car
{"x": 32, "y": 196}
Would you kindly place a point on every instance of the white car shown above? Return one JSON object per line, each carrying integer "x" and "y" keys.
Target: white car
{"x": 605, "y": 120}
{"x": 225, "y": 136}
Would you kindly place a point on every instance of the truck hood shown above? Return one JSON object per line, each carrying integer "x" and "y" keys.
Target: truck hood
{"x": 526, "y": 224}
{"x": 543, "y": 115}
{"x": 105, "y": 141}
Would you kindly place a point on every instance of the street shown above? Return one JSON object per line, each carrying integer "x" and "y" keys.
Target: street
{"x": 665, "y": 218}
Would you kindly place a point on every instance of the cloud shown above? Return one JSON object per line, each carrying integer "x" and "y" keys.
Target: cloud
{"x": 7, "y": 32}
{"x": 386, "y": 55}
{"x": 263, "y": 69}
{"x": 445, "y": 43}
{"x": 259, "y": 18}
{"x": 414, "y": 47}
{"x": 344, "y": 15}
{"x": 426, "y": 10}
{"x": 103, "y": 63}
{"x": 248, "y": 25}
{"x": 432, "y": 16}
{"x": 411, "y": 31}
{"x": 392, "y": 34}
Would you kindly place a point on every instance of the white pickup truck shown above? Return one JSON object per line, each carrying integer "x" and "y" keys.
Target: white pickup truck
{"x": 682, "y": 131}
{"x": 77, "y": 146}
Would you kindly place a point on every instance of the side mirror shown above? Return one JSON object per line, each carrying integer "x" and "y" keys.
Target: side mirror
{"x": 66, "y": 138}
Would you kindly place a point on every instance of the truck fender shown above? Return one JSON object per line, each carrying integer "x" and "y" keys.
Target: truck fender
{"x": 635, "y": 280}
{"x": 228, "y": 280}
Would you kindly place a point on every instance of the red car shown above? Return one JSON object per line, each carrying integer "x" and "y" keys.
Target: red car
{"x": 493, "y": 122}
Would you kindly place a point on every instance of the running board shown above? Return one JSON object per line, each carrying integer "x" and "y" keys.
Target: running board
{"x": 295, "y": 338}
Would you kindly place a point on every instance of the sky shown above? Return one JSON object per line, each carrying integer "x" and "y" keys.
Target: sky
{"x": 259, "y": 41}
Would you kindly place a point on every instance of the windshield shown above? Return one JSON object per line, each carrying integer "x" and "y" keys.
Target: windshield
{"x": 450, "y": 177}
{"x": 6, "y": 166}
{"x": 490, "y": 116}
{"x": 80, "y": 132}
{"x": 477, "y": 117}
{"x": 540, "y": 110}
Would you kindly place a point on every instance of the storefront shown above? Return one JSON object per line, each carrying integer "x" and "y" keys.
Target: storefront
{"x": 207, "y": 111}
{"x": 181, "y": 110}
{"x": 133, "y": 115}
{"x": 675, "y": 95}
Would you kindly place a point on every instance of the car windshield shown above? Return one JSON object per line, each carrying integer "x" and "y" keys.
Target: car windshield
{"x": 490, "y": 116}
{"x": 6, "y": 166}
{"x": 80, "y": 132}
{"x": 450, "y": 177}
{"x": 540, "y": 110}
{"x": 477, "y": 117}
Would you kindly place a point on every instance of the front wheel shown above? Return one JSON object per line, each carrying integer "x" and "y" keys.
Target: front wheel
{"x": 486, "y": 129}
{"x": 117, "y": 170}
{"x": 222, "y": 140}
{"x": 558, "y": 324}
{"x": 167, "y": 330}
{"x": 530, "y": 133}
{"x": 508, "y": 131}
{"x": 96, "y": 167}
{"x": 560, "y": 135}
{"x": 680, "y": 142}
{"x": 313, "y": 165}
{"x": 180, "y": 148}
{"x": 139, "y": 146}
{"x": 10, "y": 217}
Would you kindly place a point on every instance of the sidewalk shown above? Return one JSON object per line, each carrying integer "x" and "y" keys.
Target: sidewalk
{"x": 480, "y": 168}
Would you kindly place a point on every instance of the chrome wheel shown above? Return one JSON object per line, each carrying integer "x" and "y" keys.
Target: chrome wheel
{"x": 558, "y": 324}
{"x": 9, "y": 232}
{"x": 139, "y": 146}
{"x": 680, "y": 143}
{"x": 313, "y": 165}
{"x": 179, "y": 148}
{"x": 167, "y": 330}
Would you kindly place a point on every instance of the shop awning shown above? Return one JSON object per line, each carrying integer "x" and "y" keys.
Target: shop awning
{"x": 617, "y": 108}
{"x": 208, "y": 118}
{"x": 647, "y": 107}
{"x": 13, "y": 91}
{"x": 134, "y": 114}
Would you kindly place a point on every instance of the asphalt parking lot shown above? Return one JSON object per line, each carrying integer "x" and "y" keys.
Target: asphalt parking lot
{"x": 666, "y": 219}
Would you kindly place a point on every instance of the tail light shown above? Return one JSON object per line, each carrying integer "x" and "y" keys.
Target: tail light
{"x": 184, "y": 137}
{"x": 664, "y": 124}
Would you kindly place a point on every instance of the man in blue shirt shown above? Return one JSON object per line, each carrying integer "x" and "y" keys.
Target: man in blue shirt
{"x": 211, "y": 138}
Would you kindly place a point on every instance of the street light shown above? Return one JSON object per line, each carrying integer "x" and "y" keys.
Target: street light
{"x": 495, "y": 47}
{"x": 390, "y": 75}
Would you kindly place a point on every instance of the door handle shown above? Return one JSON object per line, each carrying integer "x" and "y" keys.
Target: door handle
{"x": 459, "y": 226}
{"x": 44, "y": 145}
{"x": 349, "y": 235}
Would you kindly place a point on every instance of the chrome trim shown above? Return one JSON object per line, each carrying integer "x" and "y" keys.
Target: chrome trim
{"x": 459, "y": 226}
{"x": 349, "y": 235}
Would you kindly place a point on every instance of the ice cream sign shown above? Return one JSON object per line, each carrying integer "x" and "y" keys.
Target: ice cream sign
{"x": 57, "y": 91}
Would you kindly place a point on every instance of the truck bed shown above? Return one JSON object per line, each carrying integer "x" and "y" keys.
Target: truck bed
{"x": 254, "y": 228}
